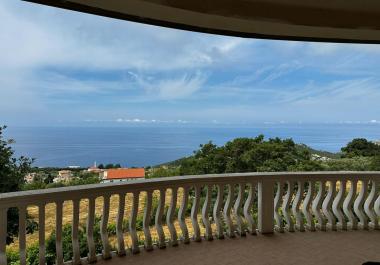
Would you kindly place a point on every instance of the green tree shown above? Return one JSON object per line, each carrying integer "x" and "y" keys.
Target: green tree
{"x": 249, "y": 155}
{"x": 360, "y": 147}
{"x": 12, "y": 172}
{"x": 108, "y": 166}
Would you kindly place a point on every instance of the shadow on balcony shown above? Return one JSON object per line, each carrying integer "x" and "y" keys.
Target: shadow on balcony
{"x": 332, "y": 247}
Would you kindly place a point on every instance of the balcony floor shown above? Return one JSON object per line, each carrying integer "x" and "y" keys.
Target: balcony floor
{"x": 341, "y": 247}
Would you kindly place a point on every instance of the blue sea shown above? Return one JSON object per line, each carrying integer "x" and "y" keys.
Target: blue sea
{"x": 152, "y": 145}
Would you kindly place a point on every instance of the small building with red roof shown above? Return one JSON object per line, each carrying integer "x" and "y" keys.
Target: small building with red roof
{"x": 122, "y": 174}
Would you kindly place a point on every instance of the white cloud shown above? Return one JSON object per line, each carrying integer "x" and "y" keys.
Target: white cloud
{"x": 171, "y": 88}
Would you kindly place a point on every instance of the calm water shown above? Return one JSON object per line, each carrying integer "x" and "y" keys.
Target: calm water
{"x": 143, "y": 146}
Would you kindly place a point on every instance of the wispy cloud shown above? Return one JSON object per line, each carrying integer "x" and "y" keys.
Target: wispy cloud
{"x": 170, "y": 88}
{"x": 68, "y": 66}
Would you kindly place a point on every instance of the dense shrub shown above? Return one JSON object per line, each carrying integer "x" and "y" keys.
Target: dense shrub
{"x": 361, "y": 147}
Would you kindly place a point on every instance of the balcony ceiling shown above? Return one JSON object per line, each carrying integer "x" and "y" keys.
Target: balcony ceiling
{"x": 323, "y": 20}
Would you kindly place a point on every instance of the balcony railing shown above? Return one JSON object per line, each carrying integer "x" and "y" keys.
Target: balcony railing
{"x": 232, "y": 205}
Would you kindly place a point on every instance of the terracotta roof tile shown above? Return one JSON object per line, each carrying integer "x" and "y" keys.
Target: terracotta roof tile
{"x": 124, "y": 173}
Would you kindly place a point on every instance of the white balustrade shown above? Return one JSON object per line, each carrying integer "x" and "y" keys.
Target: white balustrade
{"x": 132, "y": 223}
{"x": 217, "y": 212}
{"x": 90, "y": 231}
{"x": 369, "y": 206}
{"x": 347, "y": 205}
{"x": 296, "y": 206}
{"x": 237, "y": 208}
{"x": 205, "y": 217}
{"x": 317, "y": 206}
{"x": 158, "y": 219}
{"x": 248, "y": 208}
{"x": 170, "y": 218}
{"x": 338, "y": 204}
{"x": 327, "y": 205}
{"x": 22, "y": 234}
{"x": 194, "y": 214}
{"x": 227, "y": 212}
{"x": 146, "y": 222}
{"x": 247, "y": 195}
{"x": 41, "y": 234}
{"x": 119, "y": 223}
{"x": 359, "y": 203}
{"x": 277, "y": 204}
{"x": 181, "y": 215}
{"x": 310, "y": 224}
{"x": 285, "y": 206}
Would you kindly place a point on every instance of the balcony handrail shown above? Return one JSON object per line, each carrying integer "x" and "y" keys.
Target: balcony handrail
{"x": 13, "y": 199}
{"x": 292, "y": 201}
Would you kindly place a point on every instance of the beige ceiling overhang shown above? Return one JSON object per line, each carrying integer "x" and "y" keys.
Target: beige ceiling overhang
{"x": 356, "y": 21}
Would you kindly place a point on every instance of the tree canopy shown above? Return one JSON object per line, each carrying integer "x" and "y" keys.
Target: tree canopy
{"x": 360, "y": 147}
{"x": 249, "y": 155}
{"x": 12, "y": 172}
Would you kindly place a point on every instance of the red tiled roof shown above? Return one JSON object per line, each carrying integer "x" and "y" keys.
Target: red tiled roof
{"x": 124, "y": 173}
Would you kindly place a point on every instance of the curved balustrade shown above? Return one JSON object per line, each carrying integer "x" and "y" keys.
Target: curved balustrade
{"x": 226, "y": 204}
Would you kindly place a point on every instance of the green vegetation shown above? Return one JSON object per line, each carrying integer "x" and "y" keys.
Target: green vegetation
{"x": 12, "y": 172}
{"x": 273, "y": 155}
{"x": 108, "y": 166}
{"x": 361, "y": 147}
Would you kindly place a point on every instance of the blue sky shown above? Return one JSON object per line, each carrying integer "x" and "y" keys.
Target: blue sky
{"x": 60, "y": 67}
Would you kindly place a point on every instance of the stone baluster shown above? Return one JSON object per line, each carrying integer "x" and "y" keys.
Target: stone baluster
{"x": 90, "y": 230}
{"x": 247, "y": 208}
{"x": 277, "y": 204}
{"x": 265, "y": 201}
{"x": 103, "y": 227}
{"x": 217, "y": 211}
{"x": 227, "y": 212}
{"x": 58, "y": 235}
{"x": 170, "y": 218}
{"x": 338, "y": 204}
{"x": 296, "y": 206}
{"x": 146, "y": 221}
{"x": 369, "y": 206}
{"x": 376, "y": 206}
{"x": 3, "y": 235}
{"x": 327, "y": 205}
{"x": 158, "y": 219}
{"x": 285, "y": 207}
{"x": 359, "y": 205}
{"x": 194, "y": 214}
{"x": 347, "y": 205}
{"x": 41, "y": 234}
{"x": 205, "y": 213}
{"x": 74, "y": 233}
{"x": 310, "y": 225}
{"x": 22, "y": 233}
{"x": 132, "y": 223}
{"x": 237, "y": 209}
{"x": 119, "y": 225}
{"x": 181, "y": 215}
{"x": 316, "y": 206}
